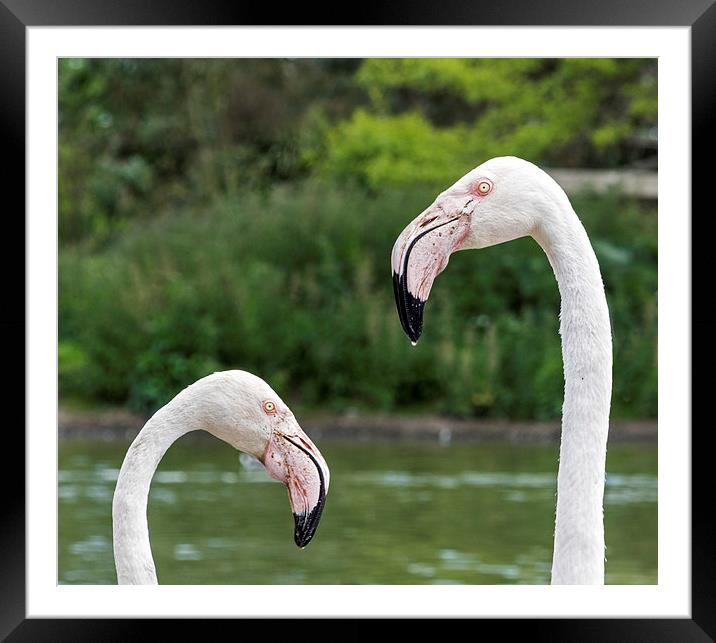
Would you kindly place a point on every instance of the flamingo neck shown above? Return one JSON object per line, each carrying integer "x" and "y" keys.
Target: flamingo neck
{"x": 132, "y": 550}
{"x": 587, "y": 355}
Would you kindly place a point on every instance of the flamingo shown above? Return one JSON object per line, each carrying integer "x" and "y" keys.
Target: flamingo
{"x": 242, "y": 410}
{"x": 503, "y": 199}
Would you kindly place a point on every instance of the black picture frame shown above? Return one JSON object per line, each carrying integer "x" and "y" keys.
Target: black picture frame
{"x": 17, "y": 15}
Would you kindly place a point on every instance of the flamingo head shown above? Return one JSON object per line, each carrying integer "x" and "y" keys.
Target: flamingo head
{"x": 252, "y": 417}
{"x": 292, "y": 458}
{"x": 496, "y": 202}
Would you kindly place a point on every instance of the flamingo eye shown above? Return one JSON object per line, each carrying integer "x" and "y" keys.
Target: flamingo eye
{"x": 269, "y": 407}
{"x": 483, "y": 187}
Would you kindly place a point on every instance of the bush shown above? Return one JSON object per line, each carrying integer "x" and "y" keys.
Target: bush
{"x": 429, "y": 118}
{"x": 295, "y": 286}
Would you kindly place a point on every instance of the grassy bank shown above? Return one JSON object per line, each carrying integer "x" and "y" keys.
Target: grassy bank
{"x": 294, "y": 285}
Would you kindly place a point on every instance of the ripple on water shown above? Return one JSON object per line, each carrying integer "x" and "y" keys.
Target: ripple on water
{"x": 229, "y": 477}
{"x": 99, "y": 492}
{"x": 187, "y": 551}
{"x": 170, "y": 477}
{"x": 92, "y": 545}
{"x": 386, "y": 503}
{"x": 167, "y": 496}
{"x": 420, "y": 569}
{"x": 454, "y": 560}
{"x": 68, "y": 492}
{"x": 210, "y": 477}
{"x": 73, "y": 576}
{"x": 466, "y": 478}
{"x": 620, "y": 488}
{"x": 221, "y": 543}
{"x": 108, "y": 475}
{"x": 510, "y": 572}
{"x": 250, "y": 463}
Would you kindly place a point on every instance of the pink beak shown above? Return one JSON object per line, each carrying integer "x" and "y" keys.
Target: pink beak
{"x": 420, "y": 254}
{"x": 294, "y": 460}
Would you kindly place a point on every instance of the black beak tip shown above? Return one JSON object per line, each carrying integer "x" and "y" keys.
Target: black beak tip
{"x": 299, "y": 536}
{"x": 307, "y": 523}
{"x": 410, "y": 308}
{"x": 413, "y": 334}
{"x": 304, "y": 531}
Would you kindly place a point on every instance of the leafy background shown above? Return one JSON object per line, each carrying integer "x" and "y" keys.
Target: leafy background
{"x": 240, "y": 213}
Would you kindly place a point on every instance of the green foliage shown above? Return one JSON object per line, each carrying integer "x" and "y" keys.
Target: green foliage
{"x": 375, "y": 150}
{"x": 72, "y": 364}
{"x": 430, "y": 119}
{"x": 295, "y": 286}
{"x": 141, "y": 135}
{"x": 232, "y": 213}
{"x": 138, "y": 136}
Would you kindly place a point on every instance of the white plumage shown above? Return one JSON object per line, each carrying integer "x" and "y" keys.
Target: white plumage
{"x": 503, "y": 199}
{"x": 243, "y": 411}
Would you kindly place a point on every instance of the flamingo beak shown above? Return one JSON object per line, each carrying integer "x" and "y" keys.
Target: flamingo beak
{"x": 420, "y": 254}
{"x": 293, "y": 459}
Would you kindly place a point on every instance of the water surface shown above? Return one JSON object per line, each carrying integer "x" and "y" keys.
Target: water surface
{"x": 396, "y": 513}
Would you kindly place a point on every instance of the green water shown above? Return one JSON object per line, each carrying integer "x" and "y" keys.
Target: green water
{"x": 396, "y": 513}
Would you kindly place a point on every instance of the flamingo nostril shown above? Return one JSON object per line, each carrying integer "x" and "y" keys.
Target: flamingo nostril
{"x": 430, "y": 220}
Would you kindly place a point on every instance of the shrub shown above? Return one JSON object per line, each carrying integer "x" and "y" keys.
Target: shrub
{"x": 295, "y": 286}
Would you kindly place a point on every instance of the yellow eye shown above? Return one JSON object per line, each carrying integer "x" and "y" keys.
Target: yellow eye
{"x": 483, "y": 187}
{"x": 269, "y": 407}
